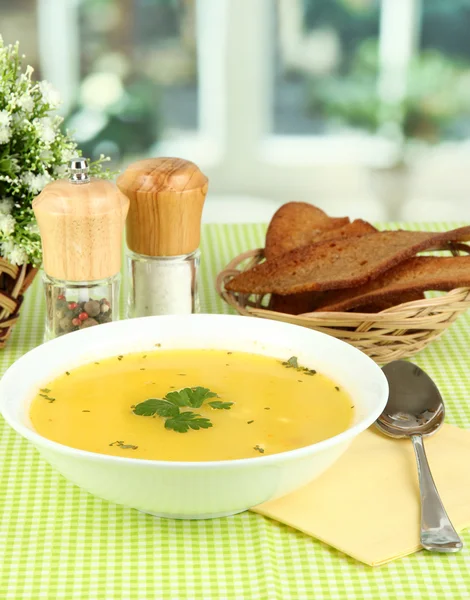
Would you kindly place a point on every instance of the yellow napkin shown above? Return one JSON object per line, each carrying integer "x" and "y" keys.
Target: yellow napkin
{"x": 367, "y": 504}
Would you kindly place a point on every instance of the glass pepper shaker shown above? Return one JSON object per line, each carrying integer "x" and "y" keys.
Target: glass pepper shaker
{"x": 81, "y": 222}
{"x": 163, "y": 232}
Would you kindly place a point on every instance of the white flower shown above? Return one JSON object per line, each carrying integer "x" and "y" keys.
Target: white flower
{"x": 67, "y": 155}
{"x": 46, "y": 155}
{"x": 49, "y": 94}
{"x": 26, "y": 103}
{"x": 60, "y": 171}
{"x": 17, "y": 256}
{"x": 5, "y": 134}
{"x": 19, "y": 121}
{"x": 5, "y": 118}
{"x": 5, "y": 206}
{"x": 7, "y": 224}
{"x": 14, "y": 253}
{"x": 45, "y": 129}
{"x": 35, "y": 182}
{"x": 33, "y": 228}
{"x": 48, "y": 134}
{"x": 7, "y": 246}
{"x": 5, "y": 131}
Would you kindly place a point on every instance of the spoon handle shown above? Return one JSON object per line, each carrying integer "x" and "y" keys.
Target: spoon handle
{"x": 437, "y": 532}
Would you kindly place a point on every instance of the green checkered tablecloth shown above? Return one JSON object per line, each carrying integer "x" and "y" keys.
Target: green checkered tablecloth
{"x": 59, "y": 542}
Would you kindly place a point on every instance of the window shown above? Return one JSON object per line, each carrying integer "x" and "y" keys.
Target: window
{"x": 19, "y": 21}
{"x": 137, "y": 73}
{"x": 321, "y": 44}
{"x": 280, "y": 99}
{"x": 446, "y": 45}
{"x": 127, "y": 71}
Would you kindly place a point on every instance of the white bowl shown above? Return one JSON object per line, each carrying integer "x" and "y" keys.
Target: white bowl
{"x": 194, "y": 490}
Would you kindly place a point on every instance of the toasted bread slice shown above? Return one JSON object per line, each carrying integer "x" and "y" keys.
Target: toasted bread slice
{"x": 415, "y": 275}
{"x": 340, "y": 264}
{"x": 309, "y": 302}
{"x": 296, "y": 304}
{"x": 380, "y": 304}
{"x": 295, "y": 224}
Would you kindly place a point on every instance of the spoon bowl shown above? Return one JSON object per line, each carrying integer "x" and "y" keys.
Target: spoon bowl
{"x": 414, "y": 405}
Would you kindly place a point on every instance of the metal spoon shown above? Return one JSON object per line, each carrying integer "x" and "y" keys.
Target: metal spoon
{"x": 415, "y": 409}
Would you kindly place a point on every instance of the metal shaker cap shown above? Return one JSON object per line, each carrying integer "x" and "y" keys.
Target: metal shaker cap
{"x": 79, "y": 170}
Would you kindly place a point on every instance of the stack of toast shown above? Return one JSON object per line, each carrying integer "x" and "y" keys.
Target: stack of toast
{"x": 319, "y": 263}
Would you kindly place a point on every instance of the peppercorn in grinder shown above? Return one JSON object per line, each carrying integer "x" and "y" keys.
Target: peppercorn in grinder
{"x": 81, "y": 223}
{"x": 163, "y": 232}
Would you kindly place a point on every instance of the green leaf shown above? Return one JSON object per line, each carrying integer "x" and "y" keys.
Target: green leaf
{"x": 193, "y": 397}
{"x": 156, "y": 406}
{"x": 187, "y": 420}
{"x": 309, "y": 371}
{"x": 179, "y": 398}
{"x": 7, "y": 167}
{"x": 221, "y": 405}
{"x": 291, "y": 363}
{"x": 48, "y": 398}
{"x": 166, "y": 409}
{"x": 124, "y": 446}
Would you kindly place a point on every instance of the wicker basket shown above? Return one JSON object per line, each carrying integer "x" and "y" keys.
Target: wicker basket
{"x": 397, "y": 332}
{"x": 14, "y": 281}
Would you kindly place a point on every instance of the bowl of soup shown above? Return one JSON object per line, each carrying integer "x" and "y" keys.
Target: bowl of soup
{"x": 196, "y": 416}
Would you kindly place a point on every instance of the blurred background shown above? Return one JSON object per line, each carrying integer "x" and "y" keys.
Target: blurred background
{"x": 359, "y": 106}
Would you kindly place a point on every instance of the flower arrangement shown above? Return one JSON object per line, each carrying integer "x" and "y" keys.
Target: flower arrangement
{"x": 33, "y": 152}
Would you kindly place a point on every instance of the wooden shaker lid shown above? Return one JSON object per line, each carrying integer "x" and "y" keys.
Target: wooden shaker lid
{"x": 81, "y": 227}
{"x": 166, "y": 201}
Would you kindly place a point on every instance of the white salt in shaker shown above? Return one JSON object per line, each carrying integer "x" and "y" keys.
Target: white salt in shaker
{"x": 163, "y": 232}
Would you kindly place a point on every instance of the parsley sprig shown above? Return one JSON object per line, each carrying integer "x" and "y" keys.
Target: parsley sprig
{"x": 169, "y": 408}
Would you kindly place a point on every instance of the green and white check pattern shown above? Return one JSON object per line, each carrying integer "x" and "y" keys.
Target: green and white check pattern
{"x": 58, "y": 542}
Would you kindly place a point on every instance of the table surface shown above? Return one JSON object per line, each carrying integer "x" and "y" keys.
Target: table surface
{"x": 59, "y": 542}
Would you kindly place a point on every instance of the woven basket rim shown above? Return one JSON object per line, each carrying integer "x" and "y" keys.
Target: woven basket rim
{"x": 392, "y": 334}
{"x": 15, "y": 282}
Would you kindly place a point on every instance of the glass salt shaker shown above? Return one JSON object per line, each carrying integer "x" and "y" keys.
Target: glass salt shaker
{"x": 81, "y": 223}
{"x": 163, "y": 233}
